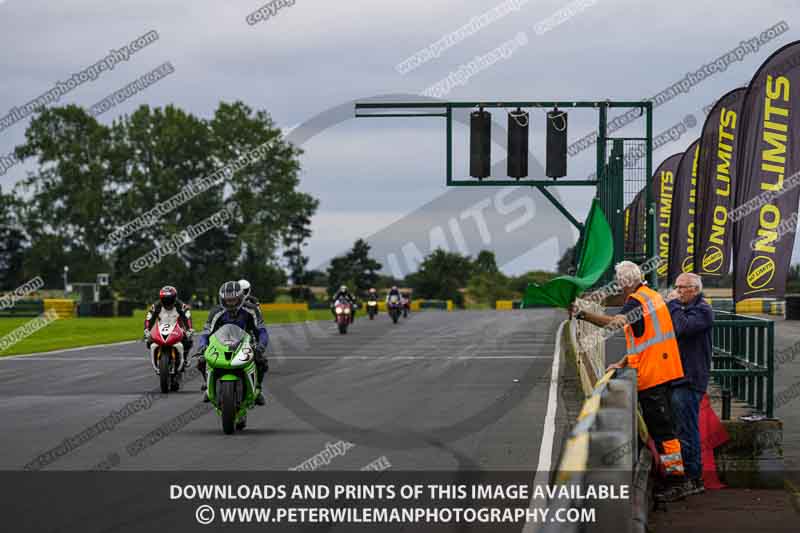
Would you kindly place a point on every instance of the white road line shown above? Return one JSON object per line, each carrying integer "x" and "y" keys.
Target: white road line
{"x": 78, "y": 349}
{"x": 546, "y": 448}
{"x": 421, "y": 357}
{"x": 71, "y": 359}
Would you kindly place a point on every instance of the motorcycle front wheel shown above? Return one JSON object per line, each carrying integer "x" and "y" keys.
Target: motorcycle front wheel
{"x": 227, "y": 399}
{"x": 163, "y": 372}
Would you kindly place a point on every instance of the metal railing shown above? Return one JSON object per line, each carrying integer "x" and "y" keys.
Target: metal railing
{"x": 743, "y": 360}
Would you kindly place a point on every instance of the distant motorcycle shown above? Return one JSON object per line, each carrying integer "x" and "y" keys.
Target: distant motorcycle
{"x": 406, "y": 303}
{"x": 394, "y": 305}
{"x": 232, "y": 387}
{"x": 166, "y": 354}
{"x": 344, "y": 314}
{"x": 372, "y": 308}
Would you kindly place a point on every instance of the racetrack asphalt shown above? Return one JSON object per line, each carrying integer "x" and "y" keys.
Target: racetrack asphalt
{"x": 438, "y": 391}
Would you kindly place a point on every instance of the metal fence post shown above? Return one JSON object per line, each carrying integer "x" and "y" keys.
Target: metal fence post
{"x": 770, "y": 367}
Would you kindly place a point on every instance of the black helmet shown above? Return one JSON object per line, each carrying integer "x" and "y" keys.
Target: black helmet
{"x": 168, "y": 295}
{"x": 231, "y": 296}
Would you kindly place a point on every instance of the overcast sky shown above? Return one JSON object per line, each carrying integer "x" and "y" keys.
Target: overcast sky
{"x": 316, "y": 55}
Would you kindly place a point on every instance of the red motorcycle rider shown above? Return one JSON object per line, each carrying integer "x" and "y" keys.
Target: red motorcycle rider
{"x": 170, "y": 310}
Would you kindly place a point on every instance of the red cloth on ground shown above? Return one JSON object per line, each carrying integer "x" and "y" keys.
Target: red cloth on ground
{"x": 712, "y": 434}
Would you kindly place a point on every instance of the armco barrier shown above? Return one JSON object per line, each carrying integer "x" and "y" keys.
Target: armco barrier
{"x": 603, "y": 445}
{"x": 590, "y": 349}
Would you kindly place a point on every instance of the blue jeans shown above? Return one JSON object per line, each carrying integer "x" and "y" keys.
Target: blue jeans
{"x": 686, "y": 410}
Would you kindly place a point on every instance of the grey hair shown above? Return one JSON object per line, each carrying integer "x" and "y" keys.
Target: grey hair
{"x": 697, "y": 281}
{"x": 628, "y": 273}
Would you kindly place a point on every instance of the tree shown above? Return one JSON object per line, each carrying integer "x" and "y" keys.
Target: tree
{"x": 488, "y": 287}
{"x": 440, "y": 275}
{"x": 486, "y": 262}
{"x": 386, "y": 282}
{"x": 12, "y": 243}
{"x": 317, "y": 278}
{"x": 93, "y": 179}
{"x": 355, "y": 269}
{"x": 518, "y": 284}
{"x": 293, "y": 241}
{"x": 69, "y": 208}
{"x": 567, "y": 261}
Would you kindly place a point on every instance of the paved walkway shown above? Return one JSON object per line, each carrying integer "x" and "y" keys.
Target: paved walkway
{"x": 744, "y": 510}
{"x": 731, "y": 511}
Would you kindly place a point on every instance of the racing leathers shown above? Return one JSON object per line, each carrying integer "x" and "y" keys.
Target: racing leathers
{"x": 347, "y": 296}
{"x": 179, "y": 313}
{"x": 250, "y": 319}
{"x": 394, "y": 293}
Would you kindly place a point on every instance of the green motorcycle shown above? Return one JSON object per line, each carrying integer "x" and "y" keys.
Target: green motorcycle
{"x": 232, "y": 387}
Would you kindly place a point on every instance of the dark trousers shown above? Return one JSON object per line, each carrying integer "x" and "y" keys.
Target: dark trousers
{"x": 686, "y": 407}
{"x": 656, "y": 404}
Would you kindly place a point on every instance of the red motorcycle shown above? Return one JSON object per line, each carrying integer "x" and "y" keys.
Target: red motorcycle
{"x": 344, "y": 314}
{"x": 405, "y": 302}
{"x": 166, "y": 354}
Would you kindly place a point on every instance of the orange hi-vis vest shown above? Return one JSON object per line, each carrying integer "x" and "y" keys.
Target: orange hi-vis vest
{"x": 655, "y": 354}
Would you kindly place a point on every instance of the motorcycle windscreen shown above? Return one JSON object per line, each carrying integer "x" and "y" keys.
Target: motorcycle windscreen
{"x": 230, "y": 335}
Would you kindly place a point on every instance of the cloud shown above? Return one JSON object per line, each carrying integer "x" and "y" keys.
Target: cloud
{"x": 319, "y": 54}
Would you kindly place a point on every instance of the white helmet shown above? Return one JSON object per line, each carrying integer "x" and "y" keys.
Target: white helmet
{"x": 245, "y": 285}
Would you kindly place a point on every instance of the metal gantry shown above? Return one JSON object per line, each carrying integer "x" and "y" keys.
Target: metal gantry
{"x": 611, "y": 173}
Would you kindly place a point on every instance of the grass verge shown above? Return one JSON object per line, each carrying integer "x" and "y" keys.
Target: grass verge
{"x": 77, "y": 332}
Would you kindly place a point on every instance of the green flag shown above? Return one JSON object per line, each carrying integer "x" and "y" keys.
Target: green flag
{"x": 596, "y": 255}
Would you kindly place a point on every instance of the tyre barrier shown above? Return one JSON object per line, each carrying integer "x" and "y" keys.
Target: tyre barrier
{"x": 23, "y": 308}
{"x": 766, "y": 306}
{"x": 793, "y": 307}
{"x": 508, "y": 305}
{"x": 63, "y": 308}
{"x": 284, "y": 307}
{"x": 416, "y": 305}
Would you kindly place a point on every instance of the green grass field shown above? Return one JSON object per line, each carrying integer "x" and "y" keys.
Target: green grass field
{"x": 77, "y": 332}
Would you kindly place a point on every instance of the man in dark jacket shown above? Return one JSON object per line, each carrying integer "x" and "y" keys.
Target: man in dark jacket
{"x": 693, "y": 319}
